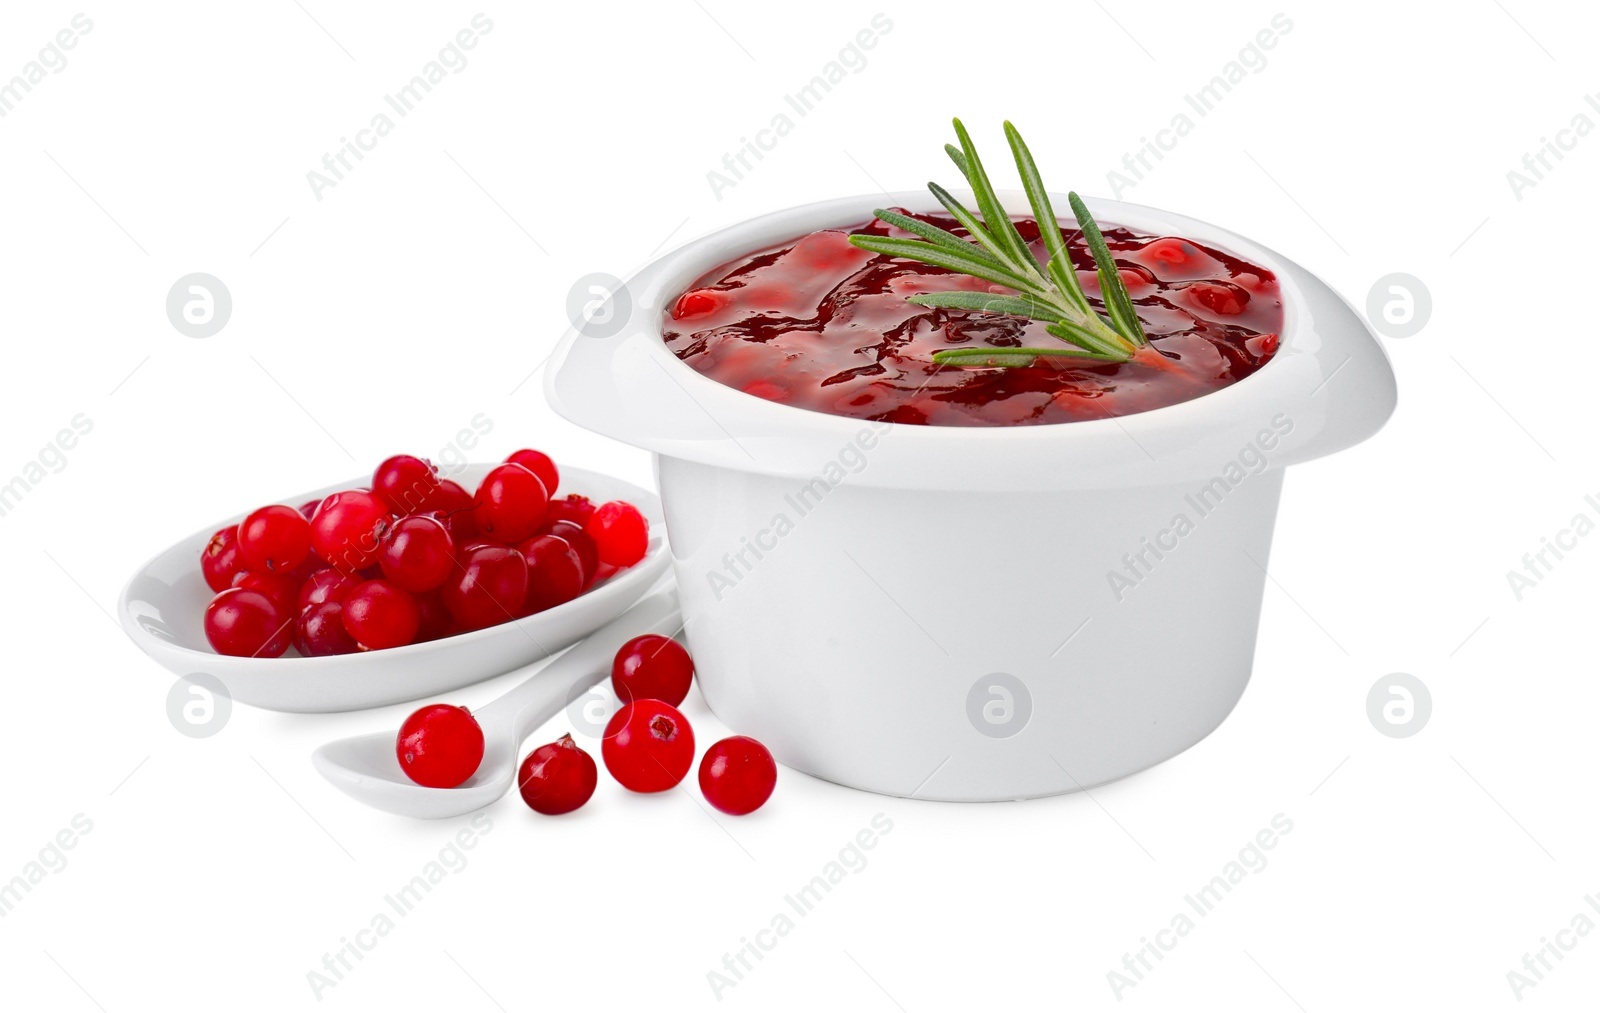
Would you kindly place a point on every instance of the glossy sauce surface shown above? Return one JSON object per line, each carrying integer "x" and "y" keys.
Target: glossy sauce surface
{"x": 819, "y": 324}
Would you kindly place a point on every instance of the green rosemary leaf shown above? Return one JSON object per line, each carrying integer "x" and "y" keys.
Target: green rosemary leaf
{"x": 1065, "y": 277}
{"x": 988, "y": 302}
{"x": 1007, "y": 357}
{"x": 1103, "y": 345}
{"x": 932, "y": 233}
{"x": 1038, "y": 199}
{"x": 961, "y": 161}
{"x": 989, "y": 205}
{"x": 972, "y": 224}
{"x": 939, "y": 256}
{"x": 1119, "y": 306}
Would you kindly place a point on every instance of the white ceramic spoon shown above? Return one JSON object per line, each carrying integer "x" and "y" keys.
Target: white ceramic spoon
{"x": 365, "y": 766}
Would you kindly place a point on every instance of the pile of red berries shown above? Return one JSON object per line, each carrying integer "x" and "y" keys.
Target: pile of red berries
{"x": 414, "y": 558}
{"x": 648, "y": 744}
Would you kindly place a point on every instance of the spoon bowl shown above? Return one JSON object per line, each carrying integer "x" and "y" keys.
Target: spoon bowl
{"x": 366, "y": 768}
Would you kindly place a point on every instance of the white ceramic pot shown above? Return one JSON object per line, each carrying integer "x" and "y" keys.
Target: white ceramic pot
{"x": 971, "y": 613}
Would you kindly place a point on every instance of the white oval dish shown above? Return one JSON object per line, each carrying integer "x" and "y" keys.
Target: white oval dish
{"x": 163, "y": 606}
{"x": 836, "y": 610}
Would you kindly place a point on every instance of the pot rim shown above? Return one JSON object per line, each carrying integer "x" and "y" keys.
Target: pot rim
{"x": 1329, "y": 379}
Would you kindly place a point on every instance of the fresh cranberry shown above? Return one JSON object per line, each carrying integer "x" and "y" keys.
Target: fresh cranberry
{"x": 324, "y": 586}
{"x": 574, "y": 535}
{"x": 652, "y": 667}
{"x": 348, "y": 529}
{"x": 557, "y": 778}
{"x": 418, "y": 554}
{"x": 648, "y": 746}
{"x": 274, "y": 538}
{"x": 452, "y": 496}
{"x": 540, "y": 464}
{"x": 320, "y": 631}
{"x": 440, "y": 746}
{"x": 620, "y": 532}
{"x": 220, "y": 561}
{"x": 308, "y": 509}
{"x": 405, "y": 484}
{"x": 509, "y": 505}
{"x": 555, "y": 573}
{"x": 434, "y": 621}
{"x": 737, "y": 775}
{"x": 282, "y": 588}
{"x": 489, "y": 587}
{"x": 247, "y": 624}
{"x": 379, "y": 616}
{"x": 571, "y": 507}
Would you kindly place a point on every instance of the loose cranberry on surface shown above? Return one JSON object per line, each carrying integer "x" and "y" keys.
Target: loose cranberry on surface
{"x": 440, "y": 746}
{"x": 220, "y": 561}
{"x": 247, "y": 624}
{"x": 557, "y": 778}
{"x": 490, "y": 586}
{"x": 347, "y": 529}
{"x": 652, "y": 667}
{"x": 405, "y": 484}
{"x": 326, "y": 585}
{"x": 380, "y": 615}
{"x": 320, "y": 632}
{"x": 620, "y": 532}
{"x": 509, "y": 504}
{"x": 540, "y": 464}
{"x": 648, "y": 746}
{"x": 418, "y": 553}
{"x": 555, "y": 573}
{"x": 274, "y": 538}
{"x": 737, "y": 775}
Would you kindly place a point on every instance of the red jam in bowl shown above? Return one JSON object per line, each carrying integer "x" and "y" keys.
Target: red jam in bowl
{"x": 819, "y": 324}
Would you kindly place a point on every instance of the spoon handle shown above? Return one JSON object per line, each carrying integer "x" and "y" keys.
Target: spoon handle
{"x": 513, "y": 717}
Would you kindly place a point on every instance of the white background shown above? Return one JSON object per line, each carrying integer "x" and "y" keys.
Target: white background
{"x": 426, "y": 286}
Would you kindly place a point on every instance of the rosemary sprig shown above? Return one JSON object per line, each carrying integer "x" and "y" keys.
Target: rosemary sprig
{"x": 998, "y": 254}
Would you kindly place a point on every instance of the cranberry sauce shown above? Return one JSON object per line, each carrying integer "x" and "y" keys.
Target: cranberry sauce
{"x": 817, "y": 323}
